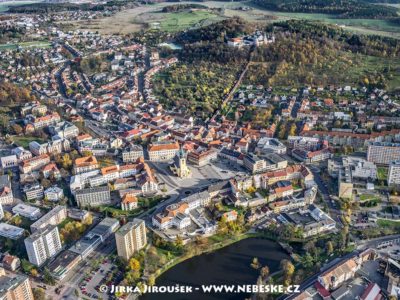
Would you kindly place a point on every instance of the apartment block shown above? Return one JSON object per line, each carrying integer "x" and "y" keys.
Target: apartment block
{"x": 43, "y": 244}
{"x": 130, "y": 238}
{"x": 163, "y": 151}
{"x": 383, "y": 153}
{"x": 132, "y": 154}
{"x": 53, "y": 217}
{"x": 394, "y": 173}
{"x": 14, "y": 286}
{"x": 93, "y": 196}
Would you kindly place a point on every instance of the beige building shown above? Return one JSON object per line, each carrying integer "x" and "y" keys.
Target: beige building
{"x": 14, "y": 286}
{"x": 130, "y": 238}
{"x": 163, "y": 151}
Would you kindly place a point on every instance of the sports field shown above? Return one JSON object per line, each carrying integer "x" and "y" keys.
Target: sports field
{"x": 35, "y": 44}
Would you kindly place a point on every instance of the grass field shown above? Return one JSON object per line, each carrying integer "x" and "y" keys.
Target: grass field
{"x": 135, "y": 19}
{"x": 389, "y": 224}
{"x": 186, "y": 19}
{"x": 5, "y": 5}
{"x": 24, "y": 141}
{"x": 35, "y": 44}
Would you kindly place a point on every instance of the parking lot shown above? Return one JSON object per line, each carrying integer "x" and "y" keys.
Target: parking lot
{"x": 105, "y": 274}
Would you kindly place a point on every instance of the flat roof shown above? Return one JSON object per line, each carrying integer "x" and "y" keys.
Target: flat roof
{"x": 10, "y": 231}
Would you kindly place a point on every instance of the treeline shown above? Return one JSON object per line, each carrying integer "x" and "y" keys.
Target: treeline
{"x": 369, "y": 45}
{"x": 341, "y": 8}
{"x": 181, "y": 7}
{"x": 217, "y": 32}
{"x": 11, "y": 93}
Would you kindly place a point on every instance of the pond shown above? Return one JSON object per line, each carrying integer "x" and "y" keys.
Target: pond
{"x": 229, "y": 265}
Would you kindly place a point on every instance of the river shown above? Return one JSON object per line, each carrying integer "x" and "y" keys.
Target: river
{"x": 229, "y": 265}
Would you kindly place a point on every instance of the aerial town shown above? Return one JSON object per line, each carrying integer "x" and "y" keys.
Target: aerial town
{"x": 109, "y": 176}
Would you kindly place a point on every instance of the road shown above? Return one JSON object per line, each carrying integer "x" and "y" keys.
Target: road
{"x": 333, "y": 210}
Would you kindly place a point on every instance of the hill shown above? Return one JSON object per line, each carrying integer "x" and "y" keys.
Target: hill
{"x": 341, "y": 8}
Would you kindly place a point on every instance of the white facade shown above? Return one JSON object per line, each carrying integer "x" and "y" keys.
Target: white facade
{"x": 42, "y": 245}
{"x": 394, "y": 173}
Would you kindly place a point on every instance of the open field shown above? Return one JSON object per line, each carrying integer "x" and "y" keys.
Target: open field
{"x": 186, "y": 19}
{"x": 5, "y": 5}
{"x": 35, "y": 44}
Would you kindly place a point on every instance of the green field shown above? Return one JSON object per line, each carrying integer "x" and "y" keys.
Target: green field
{"x": 5, "y": 5}
{"x": 35, "y": 44}
{"x": 389, "y": 224}
{"x": 24, "y": 141}
{"x": 186, "y": 19}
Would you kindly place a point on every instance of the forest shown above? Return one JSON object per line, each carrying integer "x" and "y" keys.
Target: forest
{"x": 341, "y": 8}
{"x": 181, "y": 7}
{"x": 305, "y": 52}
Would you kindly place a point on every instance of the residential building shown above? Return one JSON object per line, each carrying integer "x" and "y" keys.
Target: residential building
{"x": 85, "y": 164}
{"x": 43, "y": 244}
{"x": 254, "y": 163}
{"x": 131, "y": 238}
{"x": 64, "y": 130}
{"x": 53, "y": 217}
{"x": 201, "y": 157}
{"x": 1, "y": 212}
{"x": 10, "y": 262}
{"x": 394, "y": 173}
{"x": 163, "y": 151}
{"x": 54, "y": 193}
{"x": 383, "y": 153}
{"x": 93, "y": 196}
{"x": 339, "y": 273}
{"x": 34, "y": 163}
{"x": 33, "y": 191}
{"x": 9, "y": 161}
{"x": 26, "y": 211}
{"x": 270, "y": 145}
{"x": 15, "y": 286}
{"x": 129, "y": 202}
{"x": 52, "y": 147}
{"x": 132, "y": 153}
{"x": 350, "y": 170}
{"x": 6, "y": 194}
{"x": 10, "y": 231}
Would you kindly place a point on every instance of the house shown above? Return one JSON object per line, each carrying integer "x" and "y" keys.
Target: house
{"x": 129, "y": 202}
{"x": 10, "y": 262}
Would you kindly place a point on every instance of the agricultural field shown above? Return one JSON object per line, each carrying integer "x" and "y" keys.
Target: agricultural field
{"x": 145, "y": 16}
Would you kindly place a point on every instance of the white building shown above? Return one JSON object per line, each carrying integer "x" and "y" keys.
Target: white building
{"x": 43, "y": 244}
{"x": 27, "y": 211}
{"x": 270, "y": 145}
{"x": 54, "y": 193}
{"x": 394, "y": 173}
{"x": 53, "y": 217}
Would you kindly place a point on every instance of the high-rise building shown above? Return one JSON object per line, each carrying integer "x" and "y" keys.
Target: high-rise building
{"x": 14, "y": 286}
{"x": 43, "y": 244}
{"x": 394, "y": 173}
{"x": 383, "y": 153}
{"x": 93, "y": 196}
{"x": 131, "y": 238}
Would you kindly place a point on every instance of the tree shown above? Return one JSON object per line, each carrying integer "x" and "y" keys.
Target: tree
{"x": 134, "y": 264}
{"x": 17, "y": 129}
{"x": 288, "y": 271}
{"x": 264, "y": 272}
{"x": 39, "y": 294}
{"x": 48, "y": 278}
{"x": 34, "y": 272}
{"x": 329, "y": 247}
{"x": 255, "y": 264}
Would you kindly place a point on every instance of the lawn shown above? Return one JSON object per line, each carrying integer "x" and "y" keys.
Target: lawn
{"x": 389, "y": 224}
{"x": 382, "y": 173}
{"x": 24, "y": 141}
{"x": 34, "y": 44}
{"x": 186, "y": 19}
{"x": 365, "y": 197}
